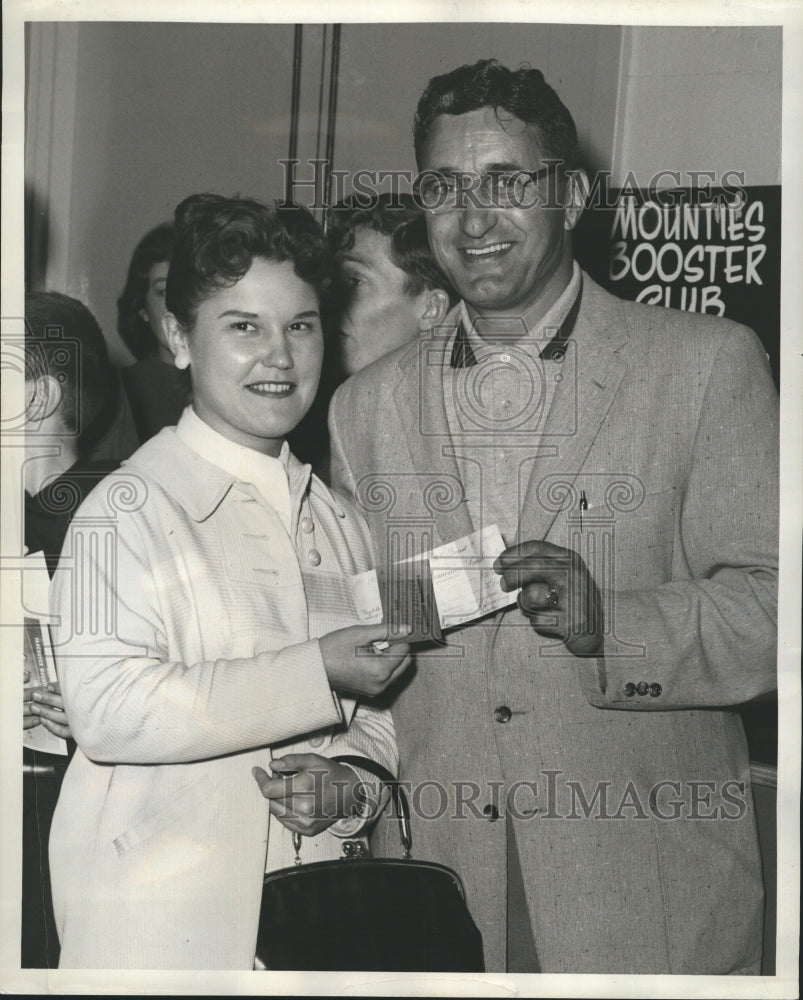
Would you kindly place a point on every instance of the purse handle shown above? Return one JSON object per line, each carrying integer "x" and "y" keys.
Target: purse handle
{"x": 397, "y": 792}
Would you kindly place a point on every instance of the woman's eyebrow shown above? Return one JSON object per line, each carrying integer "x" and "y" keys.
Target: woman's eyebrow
{"x": 239, "y": 312}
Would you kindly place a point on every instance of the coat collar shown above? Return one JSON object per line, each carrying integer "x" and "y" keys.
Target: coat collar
{"x": 199, "y": 486}
{"x": 594, "y": 366}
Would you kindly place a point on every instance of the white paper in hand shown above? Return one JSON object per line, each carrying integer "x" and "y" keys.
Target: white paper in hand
{"x": 366, "y": 597}
{"x": 38, "y": 663}
{"x": 465, "y": 584}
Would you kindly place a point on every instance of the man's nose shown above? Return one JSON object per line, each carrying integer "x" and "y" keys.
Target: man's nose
{"x": 477, "y": 219}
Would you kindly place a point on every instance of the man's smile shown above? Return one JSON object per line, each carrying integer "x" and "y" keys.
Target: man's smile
{"x": 491, "y": 250}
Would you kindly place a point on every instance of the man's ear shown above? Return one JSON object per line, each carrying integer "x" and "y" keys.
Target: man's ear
{"x": 436, "y": 306}
{"x": 43, "y": 397}
{"x": 176, "y": 340}
{"x": 576, "y": 194}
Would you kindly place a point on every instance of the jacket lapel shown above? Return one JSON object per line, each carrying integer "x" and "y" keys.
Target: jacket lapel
{"x": 424, "y": 435}
{"x": 593, "y": 371}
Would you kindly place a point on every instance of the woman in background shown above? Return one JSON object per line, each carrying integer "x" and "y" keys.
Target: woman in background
{"x": 220, "y": 647}
{"x": 157, "y": 391}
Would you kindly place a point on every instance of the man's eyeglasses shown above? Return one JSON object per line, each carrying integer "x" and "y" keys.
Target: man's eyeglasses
{"x": 438, "y": 193}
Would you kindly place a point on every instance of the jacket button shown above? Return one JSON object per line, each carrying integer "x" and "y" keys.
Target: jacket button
{"x": 655, "y": 690}
{"x": 307, "y": 525}
{"x": 491, "y": 812}
{"x": 503, "y": 714}
{"x": 314, "y": 557}
{"x": 316, "y": 741}
{"x": 642, "y": 688}
{"x": 630, "y": 689}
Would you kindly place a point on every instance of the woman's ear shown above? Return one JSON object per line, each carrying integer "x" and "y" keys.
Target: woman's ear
{"x": 436, "y": 305}
{"x": 176, "y": 340}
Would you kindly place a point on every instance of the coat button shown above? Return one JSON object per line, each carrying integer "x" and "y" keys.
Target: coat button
{"x": 503, "y": 714}
{"x": 642, "y": 688}
{"x": 491, "y": 812}
{"x": 630, "y": 689}
{"x": 316, "y": 741}
{"x": 307, "y": 525}
{"x": 655, "y": 690}
{"x": 314, "y": 557}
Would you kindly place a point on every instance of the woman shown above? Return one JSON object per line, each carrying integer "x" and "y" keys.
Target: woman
{"x": 157, "y": 391}
{"x": 214, "y": 561}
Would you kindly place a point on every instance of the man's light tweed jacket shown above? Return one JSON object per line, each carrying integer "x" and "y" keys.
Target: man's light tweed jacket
{"x": 186, "y": 656}
{"x": 668, "y": 424}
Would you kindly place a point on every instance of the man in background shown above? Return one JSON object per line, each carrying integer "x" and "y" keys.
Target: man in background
{"x": 387, "y": 289}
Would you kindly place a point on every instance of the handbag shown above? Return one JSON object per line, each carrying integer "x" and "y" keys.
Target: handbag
{"x": 368, "y": 914}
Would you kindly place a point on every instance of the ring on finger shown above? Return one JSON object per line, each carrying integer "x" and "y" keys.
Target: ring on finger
{"x": 553, "y": 597}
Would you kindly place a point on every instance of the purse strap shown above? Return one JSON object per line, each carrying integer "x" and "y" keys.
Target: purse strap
{"x": 398, "y": 794}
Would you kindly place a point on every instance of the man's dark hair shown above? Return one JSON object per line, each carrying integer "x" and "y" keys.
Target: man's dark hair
{"x": 523, "y": 93}
{"x": 398, "y": 217}
{"x": 218, "y": 238}
{"x": 63, "y": 340}
{"x": 155, "y": 247}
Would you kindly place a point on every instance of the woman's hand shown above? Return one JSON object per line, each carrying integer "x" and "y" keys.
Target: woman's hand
{"x": 308, "y": 792}
{"x": 29, "y": 719}
{"x": 48, "y": 705}
{"x": 354, "y": 666}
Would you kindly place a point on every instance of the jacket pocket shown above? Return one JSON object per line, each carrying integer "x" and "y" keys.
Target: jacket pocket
{"x": 182, "y": 802}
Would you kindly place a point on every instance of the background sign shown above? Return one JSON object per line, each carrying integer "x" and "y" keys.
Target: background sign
{"x": 714, "y": 250}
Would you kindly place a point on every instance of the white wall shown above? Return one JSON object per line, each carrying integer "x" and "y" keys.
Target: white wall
{"x": 161, "y": 111}
{"x": 700, "y": 98}
{"x": 384, "y": 69}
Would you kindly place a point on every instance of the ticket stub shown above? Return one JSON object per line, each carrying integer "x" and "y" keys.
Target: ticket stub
{"x": 445, "y": 587}
{"x": 465, "y": 584}
{"x": 408, "y": 600}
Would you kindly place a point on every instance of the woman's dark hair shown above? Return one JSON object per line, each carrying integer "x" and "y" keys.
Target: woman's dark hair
{"x": 523, "y": 93}
{"x": 155, "y": 247}
{"x": 218, "y": 238}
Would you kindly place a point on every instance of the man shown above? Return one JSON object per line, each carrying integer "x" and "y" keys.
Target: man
{"x": 70, "y": 396}
{"x": 628, "y": 454}
{"x": 387, "y": 289}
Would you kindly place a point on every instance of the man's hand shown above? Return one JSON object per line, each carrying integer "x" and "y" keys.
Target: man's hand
{"x": 49, "y": 707}
{"x": 354, "y": 666}
{"x": 313, "y": 794}
{"x": 558, "y": 594}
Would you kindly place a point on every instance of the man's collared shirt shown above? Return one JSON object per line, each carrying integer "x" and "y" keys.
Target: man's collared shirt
{"x": 498, "y": 407}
